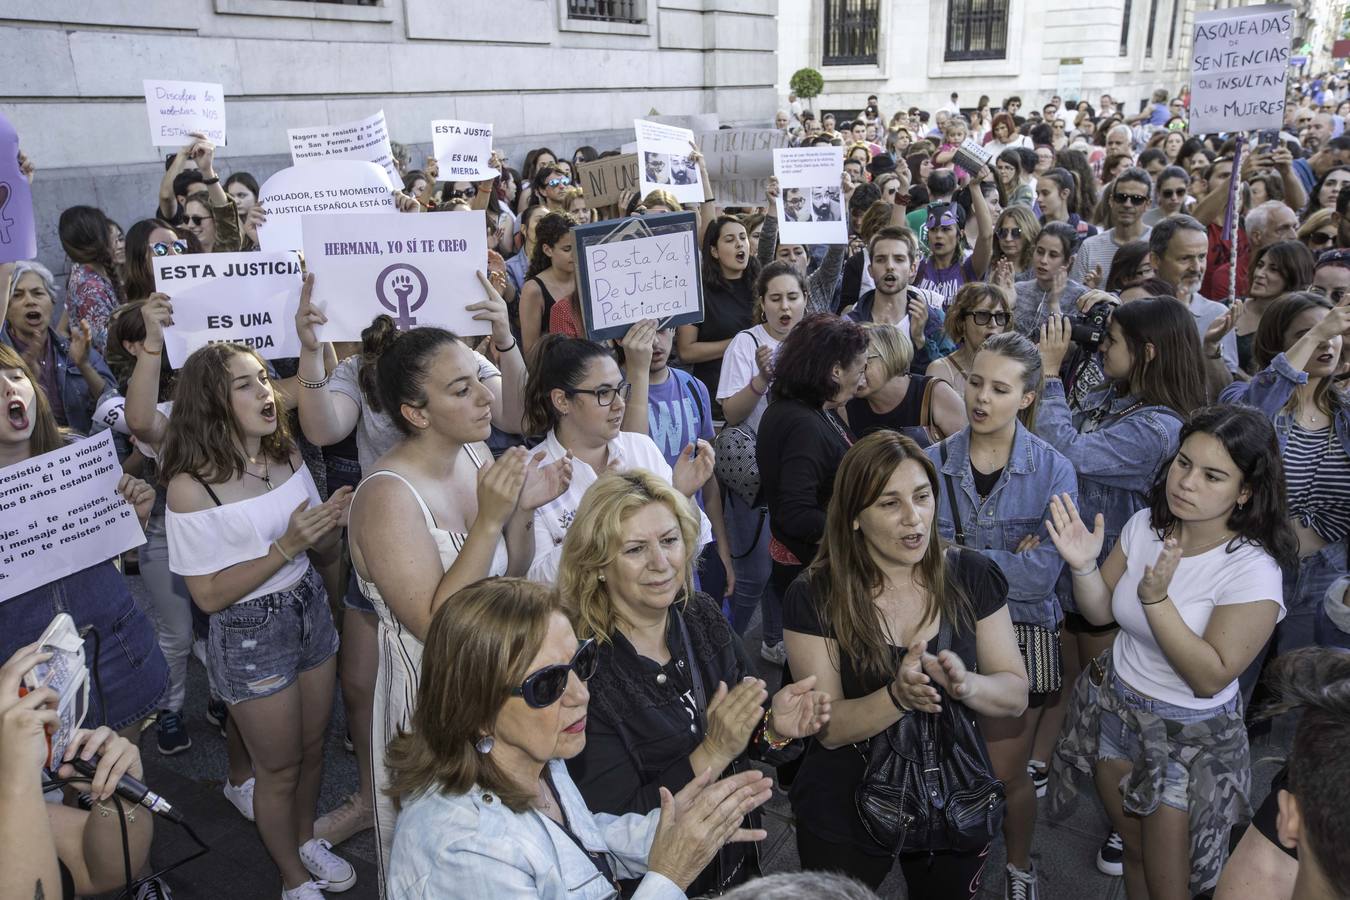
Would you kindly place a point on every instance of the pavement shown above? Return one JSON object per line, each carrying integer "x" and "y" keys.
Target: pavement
{"x": 237, "y": 866}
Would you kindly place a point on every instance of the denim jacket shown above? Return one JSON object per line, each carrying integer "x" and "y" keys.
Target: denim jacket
{"x": 1116, "y": 463}
{"x": 75, "y": 397}
{"x": 471, "y": 845}
{"x": 1270, "y": 390}
{"x": 1017, "y": 506}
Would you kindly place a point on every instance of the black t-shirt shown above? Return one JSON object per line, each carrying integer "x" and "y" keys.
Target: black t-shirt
{"x": 862, "y": 420}
{"x": 986, "y": 482}
{"x": 725, "y": 314}
{"x": 822, "y": 793}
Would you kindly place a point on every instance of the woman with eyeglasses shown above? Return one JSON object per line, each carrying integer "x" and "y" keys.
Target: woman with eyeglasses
{"x": 1318, "y": 231}
{"x": 576, "y": 397}
{"x": 1170, "y": 194}
{"x": 979, "y": 311}
{"x": 488, "y": 806}
{"x": 1276, "y": 270}
{"x": 1014, "y": 243}
{"x": 891, "y": 397}
{"x": 672, "y": 695}
{"x": 550, "y": 283}
{"x": 1014, "y": 178}
{"x": 431, "y": 516}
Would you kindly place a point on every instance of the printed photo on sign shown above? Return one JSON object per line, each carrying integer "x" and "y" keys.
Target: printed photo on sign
{"x": 416, "y": 269}
{"x": 463, "y": 150}
{"x": 663, "y": 152}
{"x": 321, "y": 186}
{"x": 18, "y": 234}
{"x": 366, "y": 139}
{"x": 177, "y": 109}
{"x": 61, "y": 512}
{"x": 811, "y": 205}
{"x": 244, "y": 298}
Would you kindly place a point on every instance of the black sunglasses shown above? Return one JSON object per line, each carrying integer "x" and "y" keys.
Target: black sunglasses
{"x": 197, "y": 220}
{"x": 985, "y": 316}
{"x": 467, "y": 194}
{"x": 546, "y": 687}
{"x": 1132, "y": 199}
{"x": 178, "y": 248}
{"x": 1319, "y": 238}
{"x": 1006, "y": 234}
{"x": 1172, "y": 193}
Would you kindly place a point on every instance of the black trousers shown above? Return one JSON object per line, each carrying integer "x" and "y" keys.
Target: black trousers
{"x": 949, "y": 876}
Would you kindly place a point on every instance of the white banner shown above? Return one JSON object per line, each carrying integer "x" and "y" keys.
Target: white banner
{"x": 421, "y": 269}
{"x": 1239, "y": 65}
{"x": 178, "y": 108}
{"x": 463, "y": 150}
{"x": 246, "y": 298}
{"x": 664, "y": 163}
{"x": 60, "y": 512}
{"x": 366, "y": 139}
{"x": 811, "y": 204}
{"x": 322, "y": 186}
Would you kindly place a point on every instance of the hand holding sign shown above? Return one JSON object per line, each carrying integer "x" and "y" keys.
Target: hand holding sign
{"x": 308, "y": 317}
{"x": 139, "y": 495}
{"x": 494, "y": 311}
{"x": 178, "y": 109}
{"x": 157, "y": 313}
{"x": 464, "y": 149}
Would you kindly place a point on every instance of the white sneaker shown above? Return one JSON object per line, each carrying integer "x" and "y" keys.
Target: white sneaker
{"x": 308, "y": 891}
{"x": 241, "y": 797}
{"x": 326, "y": 866}
{"x": 1019, "y": 885}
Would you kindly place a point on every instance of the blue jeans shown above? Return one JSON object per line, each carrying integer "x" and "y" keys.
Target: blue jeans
{"x": 748, "y": 534}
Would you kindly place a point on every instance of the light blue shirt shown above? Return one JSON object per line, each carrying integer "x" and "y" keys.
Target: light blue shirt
{"x": 472, "y": 845}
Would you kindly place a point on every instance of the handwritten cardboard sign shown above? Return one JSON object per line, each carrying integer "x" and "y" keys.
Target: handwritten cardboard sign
{"x": 18, "y": 235}
{"x": 739, "y": 162}
{"x": 635, "y": 269}
{"x": 418, "y": 269}
{"x": 60, "y": 512}
{"x": 321, "y": 186}
{"x": 246, "y": 298}
{"x": 366, "y": 139}
{"x": 1239, "y": 65}
{"x": 463, "y": 150}
{"x": 603, "y": 181}
{"x": 811, "y": 208}
{"x": 179, "y": 108}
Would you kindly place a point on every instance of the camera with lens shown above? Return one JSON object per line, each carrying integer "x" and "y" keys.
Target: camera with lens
{"x": 1088, "y": 331}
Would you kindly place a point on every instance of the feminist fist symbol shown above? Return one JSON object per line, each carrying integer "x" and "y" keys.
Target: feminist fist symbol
{"x": 410, "y": 291}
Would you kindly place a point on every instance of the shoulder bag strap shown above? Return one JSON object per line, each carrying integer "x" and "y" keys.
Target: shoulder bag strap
{"x": 694, "y": 674}
{"x": 952, "y": 499}
{"x": 686, "y": 382}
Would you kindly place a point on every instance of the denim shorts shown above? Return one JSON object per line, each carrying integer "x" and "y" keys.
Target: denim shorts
{"x": 1116, "y": 740}
{"x": 259, "y": 647}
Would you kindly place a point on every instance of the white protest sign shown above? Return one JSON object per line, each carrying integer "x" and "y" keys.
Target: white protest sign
{"x": 663, "y": 160}
{"x": 1239, "y": 65}
{"x": 322, "y": 186}
{"x": 178, "y": 108}
{"x": 811, "y": 205}
{"x": 247, "y": 298}
{"x": 366, "y": 139}
{"x": 652, "y": 277}
{"x": 419, "y": 269}
{"x": 463, "y": 150}
{"x": 60, "y": 512}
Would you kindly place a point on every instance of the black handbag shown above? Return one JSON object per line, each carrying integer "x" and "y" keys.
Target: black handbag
{"x": 928, "y": 785}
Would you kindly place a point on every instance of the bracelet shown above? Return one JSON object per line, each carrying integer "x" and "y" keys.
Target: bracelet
{"x": 1084, "y": 573}
{"x": 766, "y": 732}
{"x": 152, "y": 352}
{"x": 1143, "y": 602}
{"x": 211, "y": 181}
{"x": 284, "y": 555}
{"x": 514, "y": 343}
{"x": 105, "y": 811}
{"x": 890, "y": 693}
{"x": 313, "y": 384}
{"x": 757, "y": 390}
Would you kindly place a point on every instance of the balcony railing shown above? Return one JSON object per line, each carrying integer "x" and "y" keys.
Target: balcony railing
{"x": 632, "y": 11}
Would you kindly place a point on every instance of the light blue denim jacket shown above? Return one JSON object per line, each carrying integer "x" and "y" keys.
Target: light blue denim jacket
{"x": 1116, "y": 464}
{"x": 1270, "y": 390}
{"x": 75, "y": 397}
{"x": 471, "y": 845}
{"x": 1018, "y": 505}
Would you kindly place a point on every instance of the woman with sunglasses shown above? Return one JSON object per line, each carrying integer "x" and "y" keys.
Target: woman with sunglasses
{"x": 1169, "y": 195}
{"x": 148, "y": 240}
{"x": 1276, "y": 270}
{"x": 488, "y": 806}
{"x": 576, "y": 397}
{"x": 978, "y": 312}
{"x": 550, "y": 188}
{"x": 1318, "y": 231}
{"x": 1014, "y": 243}
{"x": 667, "y": 659}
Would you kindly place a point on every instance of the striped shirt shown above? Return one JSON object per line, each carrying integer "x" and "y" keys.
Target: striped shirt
{"x": 1317, "y": 472}
{"x": 1098, "y": 250}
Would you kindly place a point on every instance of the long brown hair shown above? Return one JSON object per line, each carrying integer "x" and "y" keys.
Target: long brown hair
{"x": 204, "y": 439}
{"x": 1175, "y": 376}
{"x": 479, "y": 645}
{"x": 847, "y": 578}
{"x": 46, "y": 435}
{"x": 1269, "y": 342}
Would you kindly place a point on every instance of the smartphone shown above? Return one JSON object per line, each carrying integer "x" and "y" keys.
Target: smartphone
{"x": 67, "y": 675}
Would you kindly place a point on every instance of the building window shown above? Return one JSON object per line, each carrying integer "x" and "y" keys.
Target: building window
{"x": 1152, "y": 20}
{"x": 1172, "y": 32}
{"x": 631, "y": 11}
{"x": 350, "y": 2}
{"x": 977, "y": 29}
{"x": 1125, "y": 28}
{"x": 850, "y": 33}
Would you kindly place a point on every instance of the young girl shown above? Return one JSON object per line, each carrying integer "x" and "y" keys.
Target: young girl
{"x": 999, "y": 479}
{"x": 978, "y": 312}
{"x": 243, "y": 516}
{"x": 546, "y": 299}
{"x": 1194, "y": 582}
{"x": 519, "y": 264}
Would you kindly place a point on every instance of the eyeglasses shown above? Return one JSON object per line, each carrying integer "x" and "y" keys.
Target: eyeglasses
{"x": 562, "y": 181}
{"x": 984, "y": 317}
{"x": 1335, "y": 295}
{"x": 604, "y": 396}
{"x": 178, "y": 248}
{"x": 1320, "y": 238}
{"x": 1123, "y": 198}
{"x": 546, "y": 687}
{"x": 1172, "y": 193}
{"x": 1009, "y": 234}
{"x": 196, "y": 221}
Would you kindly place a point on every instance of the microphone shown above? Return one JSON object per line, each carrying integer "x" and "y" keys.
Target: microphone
{"x": 131, "y": 790}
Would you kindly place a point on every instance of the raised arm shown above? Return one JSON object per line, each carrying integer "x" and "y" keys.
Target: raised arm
{"x": 145, "y": 422}
{"x": 326, "y": 416}
{"x": 984, "y": 221}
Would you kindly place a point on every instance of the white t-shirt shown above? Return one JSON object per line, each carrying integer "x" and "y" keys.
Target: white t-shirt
{"x": 1214, "y": 578}
{"x": 739, "y": 366}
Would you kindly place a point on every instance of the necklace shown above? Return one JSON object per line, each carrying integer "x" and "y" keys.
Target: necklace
{"x": 1227, "y": 536}
{"x": 266, "y": 476}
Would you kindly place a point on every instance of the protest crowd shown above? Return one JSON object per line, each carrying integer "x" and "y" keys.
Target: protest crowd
{"x": 1031, "y": 463}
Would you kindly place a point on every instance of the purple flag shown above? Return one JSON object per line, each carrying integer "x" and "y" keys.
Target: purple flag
{"x": 18, "y": 237}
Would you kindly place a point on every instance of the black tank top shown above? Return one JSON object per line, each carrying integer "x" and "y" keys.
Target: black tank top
{"x": 862, "y": 420}
{"x": 548, "y": 304}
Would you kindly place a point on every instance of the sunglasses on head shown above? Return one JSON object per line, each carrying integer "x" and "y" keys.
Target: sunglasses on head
{"x": 561, "y": 181}
{"x": 177, "y": 248}
{"x": 546, "y": 687}
{"x": 1320, "y": 238}
{"x": 985, "y": 316}
{"x": 1009, "y": 234}
{"x": 1132, "y": 199}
